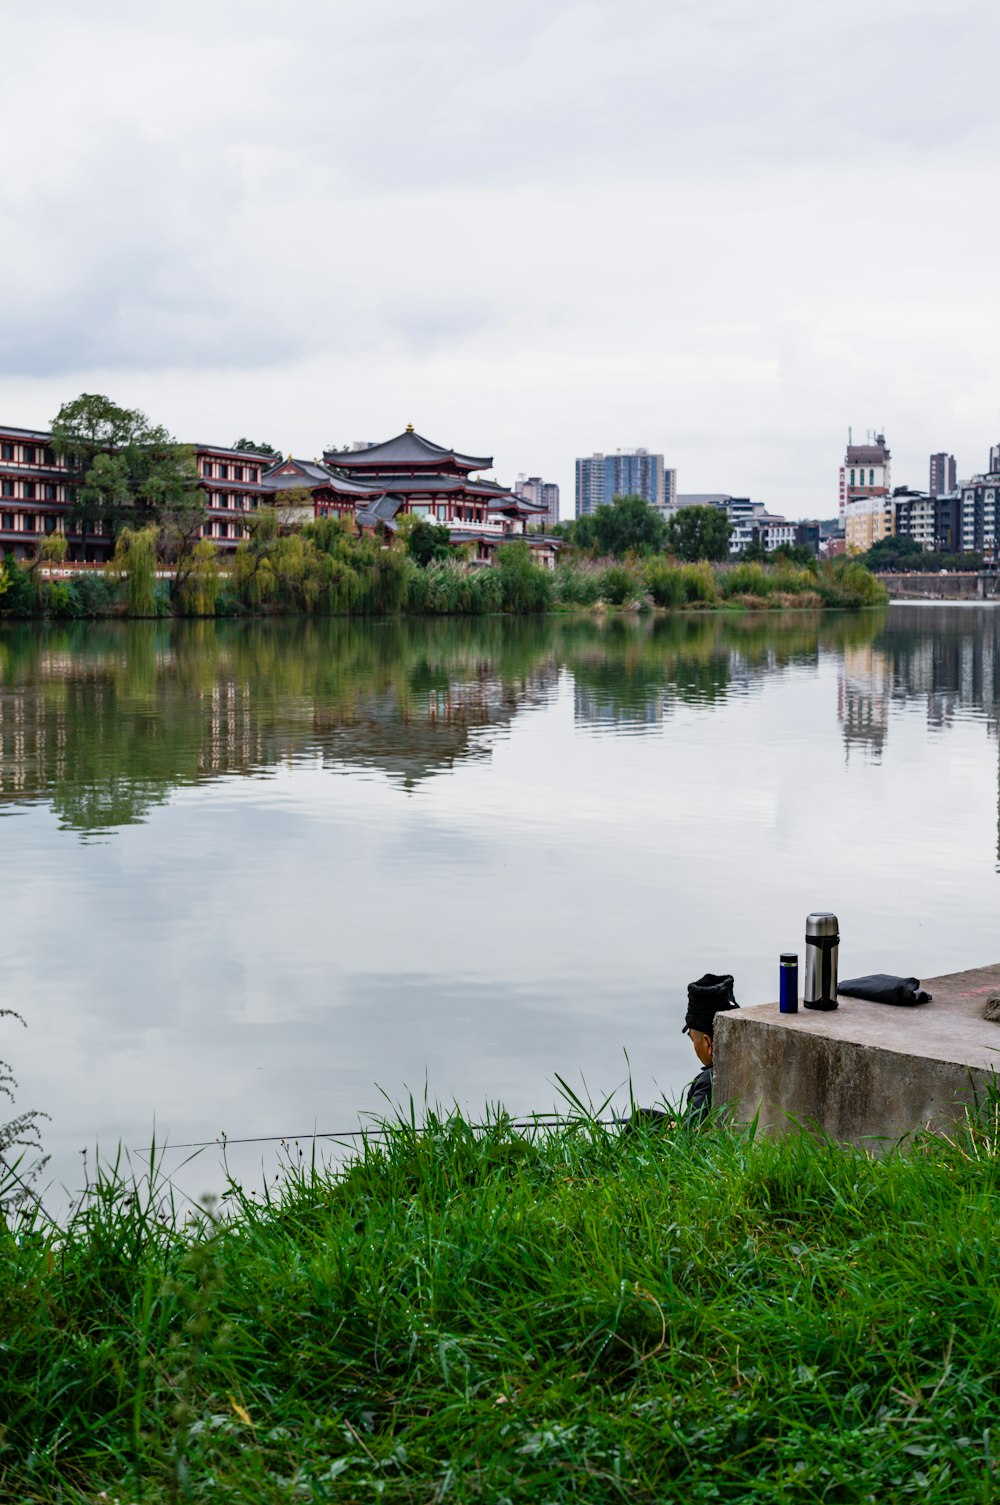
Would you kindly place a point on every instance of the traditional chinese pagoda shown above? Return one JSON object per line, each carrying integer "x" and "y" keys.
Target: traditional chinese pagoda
{"x": 411, "y": 475}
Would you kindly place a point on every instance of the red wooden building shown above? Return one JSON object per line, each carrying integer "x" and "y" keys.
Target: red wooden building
{"x": 411, "y": 475}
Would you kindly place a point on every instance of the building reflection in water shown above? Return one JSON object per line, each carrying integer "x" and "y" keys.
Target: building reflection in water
{"x": 109, "y": 730}
{"x": 104, "y": 721}
{"x": 943, "y": 657}
{"x": 863, "y": 699}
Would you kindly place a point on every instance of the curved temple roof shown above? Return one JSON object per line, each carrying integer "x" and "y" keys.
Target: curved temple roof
{"x": 407, "y": 449}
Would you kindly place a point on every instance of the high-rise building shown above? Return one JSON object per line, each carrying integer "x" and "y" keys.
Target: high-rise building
{"x": 543, "y": 494}
{"x": 628, "y": 472}
{"x": 865, "y": 501}
{"x": 994, "y": 459}
{"x": 942, "y": 475}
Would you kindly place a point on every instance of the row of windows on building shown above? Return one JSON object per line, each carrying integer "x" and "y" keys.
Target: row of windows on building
{"x": 223, "y": 501}
{"x": 28, "y": 454}
{"x": 44, "y": 454}
{"x": 30, "y": 491}
{"x": 861, "y": 478}
{"x": 225, "y": 530}
{"x": 440, "y": 511}
{"x": 40, "y": 522}
{"x": 219, "y": 470}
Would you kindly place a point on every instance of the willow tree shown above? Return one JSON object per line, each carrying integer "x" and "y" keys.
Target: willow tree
{"x": 198, "y": 589}
{"x": 134, "y": 563}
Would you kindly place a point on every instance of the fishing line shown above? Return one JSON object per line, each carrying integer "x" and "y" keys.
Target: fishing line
{"x": 541, "y": 1120}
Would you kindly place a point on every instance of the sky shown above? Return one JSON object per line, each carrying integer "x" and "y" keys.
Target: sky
{"x": 718, "y": 229}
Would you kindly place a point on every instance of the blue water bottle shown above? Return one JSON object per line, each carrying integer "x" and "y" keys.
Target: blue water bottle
{"x": 789, "y": 995}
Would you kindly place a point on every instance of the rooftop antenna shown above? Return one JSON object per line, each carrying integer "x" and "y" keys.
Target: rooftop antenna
{"x": 850, "y": 437}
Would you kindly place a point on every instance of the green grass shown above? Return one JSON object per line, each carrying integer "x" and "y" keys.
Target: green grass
{"x": 470, "y": 1314}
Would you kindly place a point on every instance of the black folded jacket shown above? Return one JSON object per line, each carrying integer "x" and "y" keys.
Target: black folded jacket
{"x": 879, "y": 987}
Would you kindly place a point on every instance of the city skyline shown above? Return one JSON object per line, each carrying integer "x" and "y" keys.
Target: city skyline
{"x": 744, "y": 323}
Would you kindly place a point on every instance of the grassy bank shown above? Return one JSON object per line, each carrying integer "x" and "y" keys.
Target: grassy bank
{"x": 323, "y": 570}
{"x": 475, "y": 1315}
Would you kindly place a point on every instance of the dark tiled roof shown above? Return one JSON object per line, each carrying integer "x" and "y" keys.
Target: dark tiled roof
{"x": 426, "y": 485}
{"x": 221, "y": 449}
{"x": 308, "y": 468}
{"x": 11, "y": 433}
{"x": 866, "y": 454}
{"x": 381, "y": 511}
{"x": 518, "y": 504}
{"x": 408, "y": 448}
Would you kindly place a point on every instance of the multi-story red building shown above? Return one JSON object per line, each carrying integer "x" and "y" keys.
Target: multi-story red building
{"x": 370, "y": 487}
{"x": 36, "y": 497}
{"x": 411, "y": 475}
{"x": 234, "y": 488}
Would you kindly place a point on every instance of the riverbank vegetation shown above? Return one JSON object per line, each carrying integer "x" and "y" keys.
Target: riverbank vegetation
{"x": 323, "y": 568}
{"x": 498, "y": 1313}
{"x": 903, "y": 555}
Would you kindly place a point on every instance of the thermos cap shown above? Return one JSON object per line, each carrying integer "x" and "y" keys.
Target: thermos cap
{"x": 789, "y": 958}
{"x": 822, "y": 923}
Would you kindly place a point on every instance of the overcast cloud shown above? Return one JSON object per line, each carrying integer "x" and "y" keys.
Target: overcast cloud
{"x": 722, "y": 229}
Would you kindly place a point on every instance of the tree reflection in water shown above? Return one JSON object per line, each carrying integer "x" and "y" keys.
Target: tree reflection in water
{"x": 102, "y": 721}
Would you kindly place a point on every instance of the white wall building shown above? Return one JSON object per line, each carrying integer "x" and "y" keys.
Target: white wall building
{"x": 542, "y": 493}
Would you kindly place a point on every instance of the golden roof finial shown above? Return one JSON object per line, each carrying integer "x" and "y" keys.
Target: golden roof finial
{"x": 409, "y": 428}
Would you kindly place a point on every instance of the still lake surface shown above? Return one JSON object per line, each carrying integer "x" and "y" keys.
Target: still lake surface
{"x": 260, "y": 878}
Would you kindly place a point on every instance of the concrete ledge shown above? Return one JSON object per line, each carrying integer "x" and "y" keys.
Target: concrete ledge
{"x": 866, "y": 1071}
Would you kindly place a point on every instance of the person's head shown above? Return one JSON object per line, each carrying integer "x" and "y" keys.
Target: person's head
{"x": 710, "y": 995}
{"x": 703, "y": 1045}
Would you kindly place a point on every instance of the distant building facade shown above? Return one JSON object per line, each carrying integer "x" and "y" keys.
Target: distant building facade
{"x": 749, "y": 522}
{"x": 865, "y": 496}
{"x": 37, "y": 497}
{"x": 702, "y": 499}
{"x": 935, "y": 522}
{"x": 369, "y": 487}
{"x": 628, "y": 472}
{"x": 942, "y": 474}
{"x": 544, "y": 494}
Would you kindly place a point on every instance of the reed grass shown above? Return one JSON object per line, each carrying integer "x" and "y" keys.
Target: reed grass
{"x": 495, "y": 1314}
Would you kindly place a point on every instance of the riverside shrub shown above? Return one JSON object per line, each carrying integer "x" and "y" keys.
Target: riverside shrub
{"x": 620, "y": 584}
{"x": 665, "y": 583}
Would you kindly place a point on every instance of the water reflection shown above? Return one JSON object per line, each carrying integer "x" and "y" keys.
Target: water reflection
{"x": 103, "y": 721}
{"x": 943, "y": 658}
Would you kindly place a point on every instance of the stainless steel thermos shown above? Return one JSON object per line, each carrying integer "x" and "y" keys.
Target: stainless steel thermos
{"x": 822, "y": 950}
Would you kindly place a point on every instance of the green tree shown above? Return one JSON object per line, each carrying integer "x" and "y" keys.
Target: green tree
{"x": 794, "y": 553}
{"x": 897, "y": 553}
{"x": 524, "y": 585}
{"x": 629, "y": 526}
{"x": 199, "y": 589}
{"x": 135, "y": 564}
{"x": 128, "y": 472}
{"x": 251, "y": 448}
{"x": 428, "y": 541}
{"x": 695, "y": 533}
{"x": 585, "y": 532}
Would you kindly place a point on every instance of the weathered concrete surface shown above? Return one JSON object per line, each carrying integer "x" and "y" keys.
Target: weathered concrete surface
{"x": 866, "y": 1071}
{"x": 955, "y": 586}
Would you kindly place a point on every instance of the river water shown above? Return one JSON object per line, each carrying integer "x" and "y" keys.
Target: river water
{"x": 265, "y": 879}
